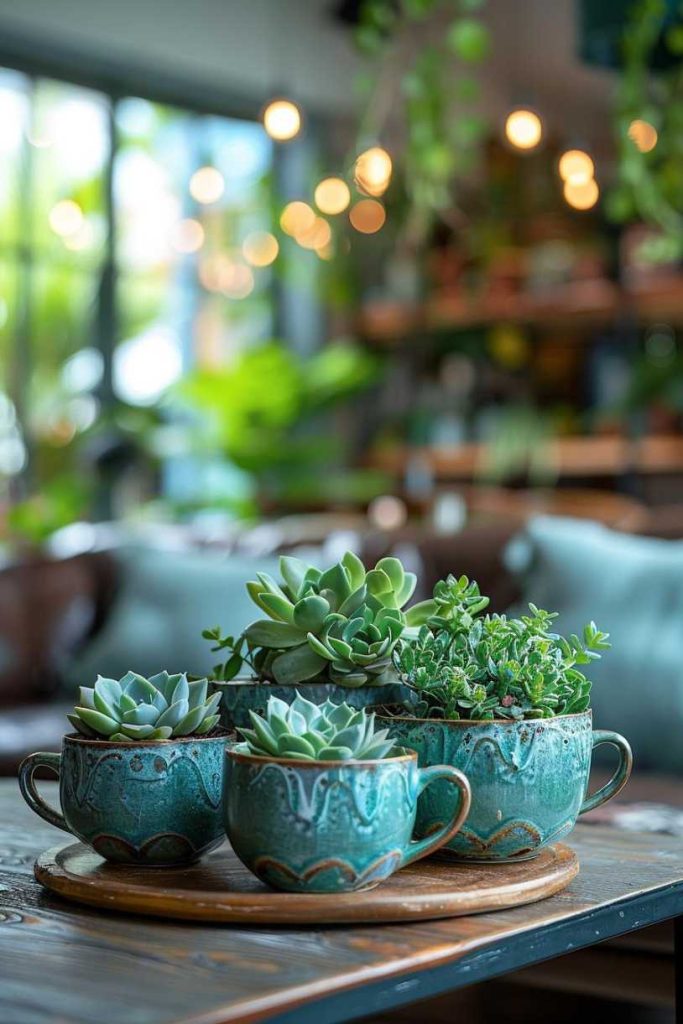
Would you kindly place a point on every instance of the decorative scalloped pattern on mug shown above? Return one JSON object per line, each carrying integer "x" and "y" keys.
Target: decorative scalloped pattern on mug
{"x": 164, "y": 848}
{"x": 336, "y": 873}
{"x": 504, "y": 843}
{"x": 310, "y": 803}
{"x": 145, "y": 769}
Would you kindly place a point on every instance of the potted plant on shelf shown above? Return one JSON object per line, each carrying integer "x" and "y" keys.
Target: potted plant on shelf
{"x": 316, "y": 800}
{"x": 504, "y": 700}
{"x": 333, "y": 632}
{"x": 140, "y": 779}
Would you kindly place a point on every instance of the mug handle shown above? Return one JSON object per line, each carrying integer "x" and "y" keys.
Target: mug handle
{"x": 418, "y": 848}
{"x": 28, "y": 787}
{"x": 621, "y": 775}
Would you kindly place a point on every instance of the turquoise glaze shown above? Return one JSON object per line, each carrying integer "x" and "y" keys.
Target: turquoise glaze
{"x": 529, "y": 779}
{"x": 333, "y": 826}
{"x": 143, "y": 802}
{"x": 240, "y": 696}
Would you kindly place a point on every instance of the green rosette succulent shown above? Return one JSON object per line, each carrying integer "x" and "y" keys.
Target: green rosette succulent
{"x": 305, "y": 732}
{"x": 135, "y": 708}
{"x": 339, "y": 626}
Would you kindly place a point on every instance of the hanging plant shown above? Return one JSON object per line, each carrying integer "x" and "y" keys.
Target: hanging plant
{"x": 421, "y": 95}
{"x": 649, "y": 126}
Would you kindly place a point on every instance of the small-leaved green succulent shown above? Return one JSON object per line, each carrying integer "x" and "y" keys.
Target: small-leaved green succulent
{"x": 135, "y": 708}
{"x": 338, "y": 626}
{"x": 306, "y": 732}
{"x": 463, "y": 664}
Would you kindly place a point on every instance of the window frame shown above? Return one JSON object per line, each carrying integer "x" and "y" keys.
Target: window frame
{"x": 37, "y": 58}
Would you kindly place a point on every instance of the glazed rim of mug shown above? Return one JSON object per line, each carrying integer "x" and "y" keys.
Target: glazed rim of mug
{"x": 255, "y": 681}
{"x": 483, "y": 721}
{"x": 407, "y": 755}
{"x": 77, "y": 737}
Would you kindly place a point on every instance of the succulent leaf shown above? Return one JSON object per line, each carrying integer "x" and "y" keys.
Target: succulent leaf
{"x": 293, "y": 572}
{"x": 296, "y": 665}
{"x": 279, "y": 607}
{"x": 264, "y": 633}
{"x": 310, "y": 612}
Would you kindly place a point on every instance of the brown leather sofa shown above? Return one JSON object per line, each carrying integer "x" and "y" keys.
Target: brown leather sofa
{"x": 49, "y": 609}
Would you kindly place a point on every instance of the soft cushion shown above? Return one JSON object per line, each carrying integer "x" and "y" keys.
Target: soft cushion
{"x": 631, "y": 587}
{"x": 165, "y": 600}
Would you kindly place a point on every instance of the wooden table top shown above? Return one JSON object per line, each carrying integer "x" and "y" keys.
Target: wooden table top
{"x": 64, "y": 964}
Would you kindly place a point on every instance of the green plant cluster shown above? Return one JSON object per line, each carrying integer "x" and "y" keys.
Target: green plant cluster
{"x": 463, "y": 664}
{"x": 275, "y": 426}
{"x": 649, "y": 185}
{"x": 306, "y": 732}
{"x": 135, "y": 708}
{"x": 430, "y": 53}
{"x": 339, "y": 626}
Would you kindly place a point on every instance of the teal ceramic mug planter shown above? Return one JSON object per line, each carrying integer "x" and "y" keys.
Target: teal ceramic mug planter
{"x": 333, "y": 826}
{"x": 529, "y": 779}
{"x": 150, "y": 803}
{"x": 240, "y": 696}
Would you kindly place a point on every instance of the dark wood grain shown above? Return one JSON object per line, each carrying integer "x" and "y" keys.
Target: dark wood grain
{"x": 221, "y": 890}
{"x": 60, "y": 963}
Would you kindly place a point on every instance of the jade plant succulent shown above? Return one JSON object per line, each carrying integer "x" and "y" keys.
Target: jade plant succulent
{"x": 463, "y": 664}
{"x": 135, "y": 708}
{"x": 306, "y": 732}
{"x": 339, "y": 626}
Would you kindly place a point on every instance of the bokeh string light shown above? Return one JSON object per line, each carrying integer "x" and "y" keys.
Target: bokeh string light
{"x": 207, "y": 185}
{"x": 576, "y": 166}
{"x": 582, "y": 196}
{"x": 296, "y": 218}
{"x": 260, "y": 248}
{"x": 282, "y": 120}
{"x": 317, "y": 236}
{"x": 643, "y": 135}
{"x": 523, "y": 129}
{"x": 332, "y": 196}
{"x": 372, "y": 171}
{"x": 367, "y": 216}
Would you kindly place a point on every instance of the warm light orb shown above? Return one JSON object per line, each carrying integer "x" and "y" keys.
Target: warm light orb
{"x": 332, "y": 195}
{"x": 318, "y": 236}
{"x": 260, "y": 248}
{"x": 373, "y": 171}
{"x": 387, "y": 512}
{"x": 237, "y": 281}
{"x": 296, "y": 218}
{"x": 643, "y": 135}
{"x": 66, "y": 218}
{"x": 367, "y": 216}
{"x": 523, "y": 129}
{"x": 582, "y": 196}
{"x": 282, "y": 120}
{"x": 187, "y": 235}
{"x": 576, "y": 167}
{"x": 207, "y": 185}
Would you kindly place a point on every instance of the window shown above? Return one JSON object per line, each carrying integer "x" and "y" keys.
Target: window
{"x": 133, "y": 246}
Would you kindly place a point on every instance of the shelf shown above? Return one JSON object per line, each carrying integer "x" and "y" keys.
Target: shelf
{"x": 579, "y": 305}
{"x": 567, "y": 457}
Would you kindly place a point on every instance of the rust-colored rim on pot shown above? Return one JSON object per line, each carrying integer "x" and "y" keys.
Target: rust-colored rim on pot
{"x": 236, "y": 755}
{"x": 74, "y": 737}
{"x": 469, "y": 722}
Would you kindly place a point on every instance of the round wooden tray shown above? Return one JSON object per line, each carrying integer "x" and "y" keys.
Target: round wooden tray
{"x": 221, "y": 889}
